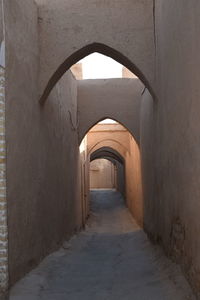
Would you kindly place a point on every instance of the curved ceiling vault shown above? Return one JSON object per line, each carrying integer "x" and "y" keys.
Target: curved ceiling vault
{"x": 107, "y": 152}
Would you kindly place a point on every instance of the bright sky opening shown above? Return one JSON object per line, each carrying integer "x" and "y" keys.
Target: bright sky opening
{"x": 108, "y": 121}
{"x": 98, "y": 66}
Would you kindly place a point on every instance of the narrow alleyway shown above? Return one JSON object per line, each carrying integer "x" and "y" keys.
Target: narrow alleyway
{"x": 112, "y": 260}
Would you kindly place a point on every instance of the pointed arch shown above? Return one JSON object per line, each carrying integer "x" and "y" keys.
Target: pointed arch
{"x": 85, "y": 51}
{"x": 107, "y": 143}
{"x": 118, "y": 160}
{"x": 102, "y": 119}
{"x": 105, "y": 152}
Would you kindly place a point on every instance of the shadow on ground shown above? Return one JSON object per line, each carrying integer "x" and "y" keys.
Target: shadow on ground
{"x": 111, "y": 260}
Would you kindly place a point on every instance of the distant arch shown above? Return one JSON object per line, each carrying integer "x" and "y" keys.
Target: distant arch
{"x": 85, "y": 51}
{"x": 113, "y": 119}
{"x": 112, "y": 160}
{"x": 107, "y": 152}
{"x": 102, "y": 119}
{"x": 118, "y": 161}
{"x": 109, "y": 141}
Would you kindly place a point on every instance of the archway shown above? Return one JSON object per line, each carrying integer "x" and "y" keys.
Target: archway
{"x": 107, "y": 152}
{"x": 85, "y": 51}
{"x": 118, "y": 160}
{"x": 115, "y": 142}
{"x": 102, "y": 174}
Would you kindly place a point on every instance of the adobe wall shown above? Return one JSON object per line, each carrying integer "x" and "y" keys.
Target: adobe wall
{"x": 177, "y": 131}
{"x": 70, "y": 26}
{"x": 126, "y": 73}
{"x": 108, "y": 132}
{"x": 118, "y": 99}
{"x": 84, "y": 179}
{"x": 121, "y": 178}
{"x": 134, "y": 192}
{"x": 148, "y": 160}
{"x": 77, "y": 71}
{"x": 169, "y": 137}
{"x": 169, "y": 131}
{"x": 102, "y": 174}
{"x": 115, "y": 157}
{"x": 42, "y": 164}
{"x": 22, "y": 131}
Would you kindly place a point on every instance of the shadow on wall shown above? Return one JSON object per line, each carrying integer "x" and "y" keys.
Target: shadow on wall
{"x": 52, "y": 210}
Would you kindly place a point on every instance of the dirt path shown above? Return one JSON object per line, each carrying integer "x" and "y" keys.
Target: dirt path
{"x": 111, "y": 260}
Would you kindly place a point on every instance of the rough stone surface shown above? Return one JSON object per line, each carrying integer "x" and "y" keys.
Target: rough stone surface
{"x": 112, "y": 259}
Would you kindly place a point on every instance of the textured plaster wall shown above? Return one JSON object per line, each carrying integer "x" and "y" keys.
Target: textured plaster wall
{"x": 148, "y": 160}
{"x": 121, "y": 178}
{"x": 113, "y": 133}
{"x": 134, "y": 193}
{"x": 21, "y": 129}
{"x": 177, "y": 131}
{"x": 102, "y": 174}
{"x": 66, "y": 28}
{"x": 77, "y": 71}
{"x": 84, "y": 179}
{"x": 42, "y": 142}
{"x": 22, "y": 134}
{"x": 42, "y": 149}
{"x": 170, "y": 140}
{"x": 114, "y": 98}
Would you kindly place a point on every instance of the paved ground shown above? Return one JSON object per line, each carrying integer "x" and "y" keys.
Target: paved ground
{"x": 111, "y": 260}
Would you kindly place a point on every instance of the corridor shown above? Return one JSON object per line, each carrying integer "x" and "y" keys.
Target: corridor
{"x": 111, "y": 260}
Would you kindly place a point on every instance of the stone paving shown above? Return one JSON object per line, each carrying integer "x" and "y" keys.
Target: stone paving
{"x": 111, "y": 260}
